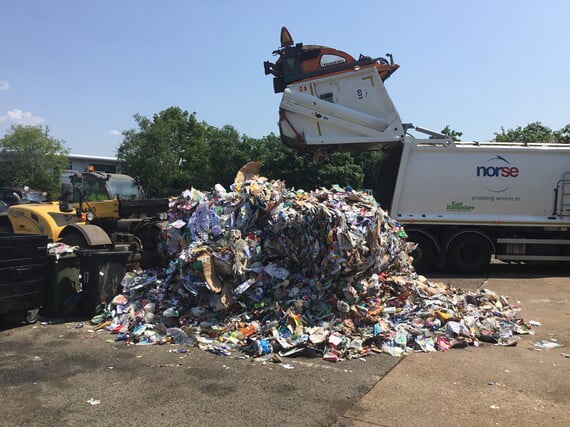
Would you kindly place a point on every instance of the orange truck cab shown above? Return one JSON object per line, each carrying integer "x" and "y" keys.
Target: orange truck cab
{"x": 298, "y": 62}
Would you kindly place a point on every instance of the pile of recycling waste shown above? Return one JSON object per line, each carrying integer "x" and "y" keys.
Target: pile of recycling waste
{"x": 269, "y": 272}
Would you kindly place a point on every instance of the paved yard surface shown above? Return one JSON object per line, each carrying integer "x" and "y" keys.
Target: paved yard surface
{"x": 49, "y": 373}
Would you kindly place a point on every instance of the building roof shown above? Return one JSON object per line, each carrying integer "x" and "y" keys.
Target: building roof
{"x": 88, "y": 157}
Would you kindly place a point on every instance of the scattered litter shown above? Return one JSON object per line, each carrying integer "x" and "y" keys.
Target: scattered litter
{"x": 534, "y": 323}
{"x": 94, "y": 402}
{"x": 546, "y": 345}
{"x": 287, "y": 366}
{"x": 566, "y": 355}
{"x": 78, "y": 325}
{"x": 267, "y": 270}
{"x": 494, "y": 407}
{"x": 59, "y": 248}
{"x": 120, "y": 300}
{"x": 167, "y": 365}
{"x": 490, "y": 382}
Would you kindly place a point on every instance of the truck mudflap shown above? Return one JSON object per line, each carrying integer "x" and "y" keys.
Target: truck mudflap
{"x": 85, "y": 236}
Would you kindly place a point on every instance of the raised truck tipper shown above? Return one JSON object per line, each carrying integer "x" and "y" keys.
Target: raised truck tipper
{"x": 462, "y": 202}
{"x": 97, "y": 210}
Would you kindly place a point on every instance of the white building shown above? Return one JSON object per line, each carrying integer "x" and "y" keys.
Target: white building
{"x": 80, "y": 162}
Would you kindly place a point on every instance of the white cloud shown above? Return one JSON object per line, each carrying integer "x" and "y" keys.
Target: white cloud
{"x": 19, "y": 117}
{"x": 115, "y": 132}
{"x": 4, "y": 85}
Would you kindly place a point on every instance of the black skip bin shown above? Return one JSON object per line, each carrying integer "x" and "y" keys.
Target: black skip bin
{"x": 64, "y": 289}
{"x": 101, "y": 273}
{"x": 22, "y": 273}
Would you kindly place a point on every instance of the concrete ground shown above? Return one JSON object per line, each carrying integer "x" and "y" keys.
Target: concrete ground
{"x": 485, "y": 386}
{"x": 57, "y": 374}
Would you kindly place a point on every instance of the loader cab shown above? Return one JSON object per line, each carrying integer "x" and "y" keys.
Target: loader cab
{"x": 94, "y": 186}
{"x": 123, "y": 187}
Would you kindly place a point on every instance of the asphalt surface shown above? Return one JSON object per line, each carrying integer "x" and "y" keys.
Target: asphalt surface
{"x": 49, "y": 373}
{"x": 59, "y": 374}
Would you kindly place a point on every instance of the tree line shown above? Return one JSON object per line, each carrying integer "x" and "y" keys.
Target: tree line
{"x": 173, "y": 150}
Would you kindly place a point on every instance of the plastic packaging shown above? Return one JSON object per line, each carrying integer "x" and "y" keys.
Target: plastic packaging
{"x": 250, "y": 329}
{"x": 263, "y": 347}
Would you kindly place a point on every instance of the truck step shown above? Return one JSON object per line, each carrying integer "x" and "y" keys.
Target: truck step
{"x": 536, "y": 241}
{"x": 533, "y": 257}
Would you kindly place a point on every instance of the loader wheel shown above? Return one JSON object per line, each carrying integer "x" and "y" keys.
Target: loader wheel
{"x": 424, "y": 254}
{"x": 469, "y": 254}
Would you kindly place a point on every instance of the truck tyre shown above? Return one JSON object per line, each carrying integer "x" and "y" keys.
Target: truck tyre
{"x": 424, "y": 254}
{"x": 469, "y": 254}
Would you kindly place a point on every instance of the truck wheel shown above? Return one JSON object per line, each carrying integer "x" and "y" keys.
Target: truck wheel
{"x": 424, "y": 254}
{"x": 469, "y": 254}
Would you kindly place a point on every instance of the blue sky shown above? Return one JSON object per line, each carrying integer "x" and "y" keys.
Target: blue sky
{"x": 85, "y": 68}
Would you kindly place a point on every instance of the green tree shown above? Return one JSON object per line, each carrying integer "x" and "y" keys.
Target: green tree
{"x": 168, "y": 152}
{"x": 340, "y": 168}
{"x": 562, "y": 136}
{"x": 301, "y": 171}
{"x": 533, "y": 132}
{"x": 280, "y": 161}
{"x": 228, "y": 152}
{"x": 455, "y": 135}
{"x": 32, "y": 157}
{"x": 370, "y": 163}
{"x": 173, "y": 151}
{"x": 447, "y": 131}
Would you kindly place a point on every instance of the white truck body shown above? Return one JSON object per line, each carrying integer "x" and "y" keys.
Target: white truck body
{"x": 483, "y": 184}
{"x": 461, "y": 201}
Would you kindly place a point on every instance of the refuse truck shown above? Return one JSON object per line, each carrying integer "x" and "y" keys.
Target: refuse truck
{"x": 461, "y": 202}
{"x": 97, "y": 210}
